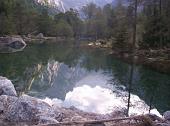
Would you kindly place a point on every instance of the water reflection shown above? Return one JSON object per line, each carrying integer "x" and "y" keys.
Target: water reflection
{"x": 57, "y": 71}
{"x": 102, "y": 101}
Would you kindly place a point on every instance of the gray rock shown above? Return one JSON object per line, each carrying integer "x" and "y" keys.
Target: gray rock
{"x": 6, "y": 87}
{"x": 154, "y": 117}
{"x": 47, "y": 120}
{"x": 166, "y": 115}
{"x": 27, "y": 109}
{"x": 162, "y": 124}
{"x": 24, "y": 108}
{"x": 15, "y": 42}
{"x": 11, "y": 44}
{"x": 5, "y": 102}
{"x": 40, "y": 36}
{"x": 97, "y": 124}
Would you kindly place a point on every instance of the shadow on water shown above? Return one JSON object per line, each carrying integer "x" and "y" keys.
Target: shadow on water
{"x": 53, "y": 70}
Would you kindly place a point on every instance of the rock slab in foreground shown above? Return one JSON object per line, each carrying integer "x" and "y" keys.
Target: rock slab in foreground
{"x": 27, "y": 109}
{"x": 167, "y": 115}
{"x": 24, "y": 108}
{"x": 35, "y": 111}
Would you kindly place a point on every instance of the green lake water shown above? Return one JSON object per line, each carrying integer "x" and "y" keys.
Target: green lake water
{"x": 55, "y": 70}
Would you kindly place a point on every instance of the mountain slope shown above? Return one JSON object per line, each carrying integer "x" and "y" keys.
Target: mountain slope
{"x": 78, "y": 4}
{"x": 64, "y": 5}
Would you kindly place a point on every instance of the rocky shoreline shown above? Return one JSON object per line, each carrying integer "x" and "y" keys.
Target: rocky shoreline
{"x": 33, "y": 111}
{"x": 157, "y": 59}
{"x": 26, "y": 110}
{"x": 10, "y": 44}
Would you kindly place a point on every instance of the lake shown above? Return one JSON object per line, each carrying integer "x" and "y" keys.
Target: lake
{"x": 87, "y": 78}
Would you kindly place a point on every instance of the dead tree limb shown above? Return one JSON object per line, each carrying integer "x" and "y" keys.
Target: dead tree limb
{"x": 140, "y": 118}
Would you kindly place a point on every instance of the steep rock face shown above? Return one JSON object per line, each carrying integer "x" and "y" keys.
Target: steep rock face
{"x": 58, "y": 4}
{"x": 115, "y": 2}
{"x": 64, "y": 5}
{"x": 78, "y": 4}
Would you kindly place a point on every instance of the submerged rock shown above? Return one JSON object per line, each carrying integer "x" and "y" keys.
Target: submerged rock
{"x": 6, "y": 87}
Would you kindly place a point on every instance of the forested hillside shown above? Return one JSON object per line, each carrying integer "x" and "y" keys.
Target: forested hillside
{"x": 112, "y": 21}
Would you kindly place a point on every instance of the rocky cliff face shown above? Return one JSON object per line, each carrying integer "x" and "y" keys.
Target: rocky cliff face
{"x": 64, "y": 5}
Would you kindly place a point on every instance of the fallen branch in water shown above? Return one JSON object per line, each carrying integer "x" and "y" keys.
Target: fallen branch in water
{"x": 146, "y": 120}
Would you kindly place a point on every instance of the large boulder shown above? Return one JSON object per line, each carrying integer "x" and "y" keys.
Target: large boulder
{"x": 6, "y": 87}
{"x": 11, "y": 44}
{"x": 29, "y": 109}
{"x": 24, "y": 108}
{"x": 40, "y": 36}
{"x": 166, "y": 121}
{"x": 166, "y": 115}
{"x": 5, "y": 102}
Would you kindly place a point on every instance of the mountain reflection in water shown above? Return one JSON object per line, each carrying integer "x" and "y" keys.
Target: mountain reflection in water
{"x": 102, "y": 101}
{"x": 89, "y": 79}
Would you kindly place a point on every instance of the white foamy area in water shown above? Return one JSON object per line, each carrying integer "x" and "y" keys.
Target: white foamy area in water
{"x": 102, "y": 101}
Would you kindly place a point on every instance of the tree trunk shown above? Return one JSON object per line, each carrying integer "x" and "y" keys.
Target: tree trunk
{"x": 130, "y": 86}
{"x": 135, "y": 24}
{"x": 133, "y": 52}
{"x": 160, "y": 6}
{"x": 160, "y": 12}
